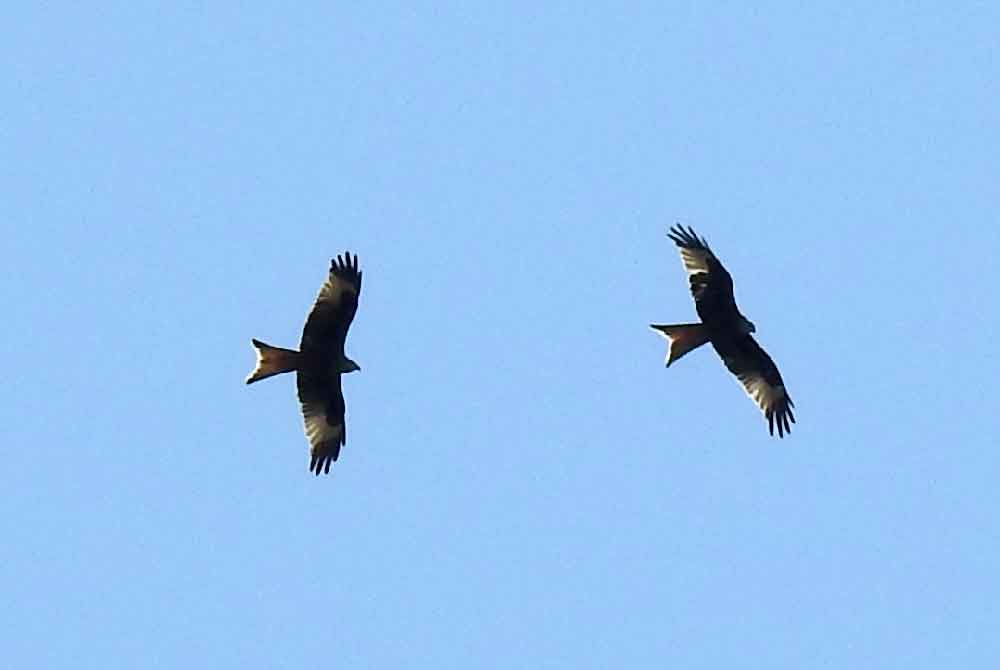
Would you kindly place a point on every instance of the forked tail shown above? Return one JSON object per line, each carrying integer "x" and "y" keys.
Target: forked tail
{"x": 272, "y": 361}
{"x": 682, "y": 338}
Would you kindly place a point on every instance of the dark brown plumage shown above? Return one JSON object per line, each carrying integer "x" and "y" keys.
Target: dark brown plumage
{"x": 320, "y": 362}
{"x": 727, "y": 330}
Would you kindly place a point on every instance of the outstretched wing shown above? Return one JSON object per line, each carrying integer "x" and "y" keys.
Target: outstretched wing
{"x": 332, "y": 313}
{"x": 711, "y": 284}
{"x": 323, "y": 413}
{"x": 760, "y": 379}
{"x": 322, "y": 346}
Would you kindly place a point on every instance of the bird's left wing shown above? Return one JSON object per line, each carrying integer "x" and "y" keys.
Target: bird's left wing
{"x": 322, "y": 403}
{"x": 761, "y": 380}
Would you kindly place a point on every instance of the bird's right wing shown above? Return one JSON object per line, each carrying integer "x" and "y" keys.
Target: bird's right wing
{"x": 711, "y": 284}
{"x": 332, "y": 313}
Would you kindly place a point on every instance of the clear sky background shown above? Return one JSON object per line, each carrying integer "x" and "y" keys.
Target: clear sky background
{"x": 524, "y": 483}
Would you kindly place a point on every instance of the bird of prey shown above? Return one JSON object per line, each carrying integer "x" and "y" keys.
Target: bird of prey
{"x": 727, "y": 330}
{"x": 320, "y": 361}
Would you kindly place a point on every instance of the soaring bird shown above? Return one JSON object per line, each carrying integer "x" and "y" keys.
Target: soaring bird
{"x": 727, "y": 330}
{"x": 320, "y": 361}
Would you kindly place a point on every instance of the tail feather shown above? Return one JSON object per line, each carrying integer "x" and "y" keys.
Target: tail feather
{"x": 272, "y": 361}
{"x": 682, "y": 338}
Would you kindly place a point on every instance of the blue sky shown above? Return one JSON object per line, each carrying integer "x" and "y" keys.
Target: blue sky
{"x": 524, "y": 484}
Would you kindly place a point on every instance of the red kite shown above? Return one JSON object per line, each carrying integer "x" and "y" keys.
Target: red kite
{"x": 320, "y": 361}
{"x": 727, "y": 330}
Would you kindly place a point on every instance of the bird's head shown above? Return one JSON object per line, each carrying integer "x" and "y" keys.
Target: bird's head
{"x": 748, "y": 326}
{"x": 347, "y": 365}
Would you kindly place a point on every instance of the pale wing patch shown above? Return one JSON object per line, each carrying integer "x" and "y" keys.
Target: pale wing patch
{"x": 762, "y": 393}
{"x": 324, "y": 439}
{"x": 333, "y": 309}
{"x": 773, "y": 402}
{"x": 333, "y": 287}
{"x": 695, "y": 260}
{"x": 319, "y": 431}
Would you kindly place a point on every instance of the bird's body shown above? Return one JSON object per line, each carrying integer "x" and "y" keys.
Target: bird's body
{"x": 727, "y": 329}
{"x": 320, "y": 362}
